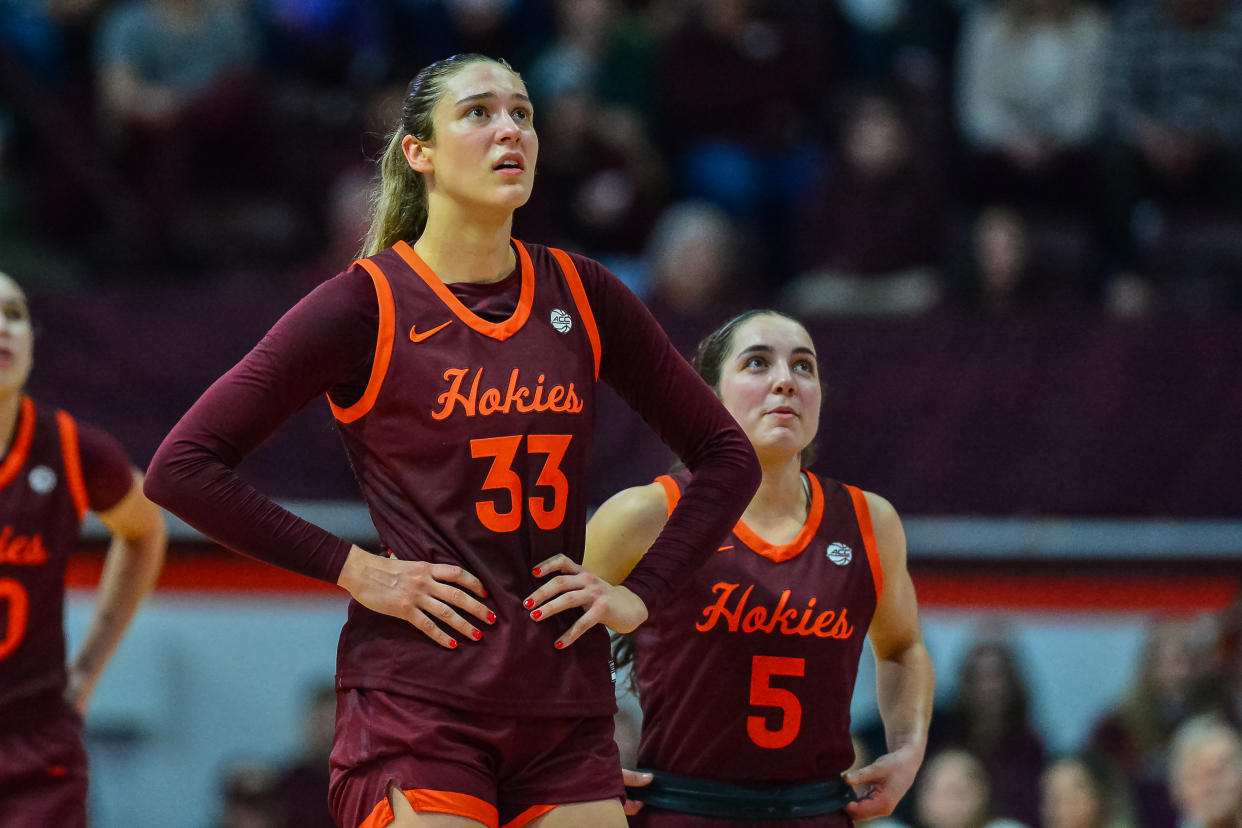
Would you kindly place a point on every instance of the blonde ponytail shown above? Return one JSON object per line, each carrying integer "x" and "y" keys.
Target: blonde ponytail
{"x": 398, "y": 200}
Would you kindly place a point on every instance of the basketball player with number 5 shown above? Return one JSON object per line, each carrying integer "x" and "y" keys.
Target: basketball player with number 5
{"x": 461, "y": 365}
{"x": 745, "y": 679}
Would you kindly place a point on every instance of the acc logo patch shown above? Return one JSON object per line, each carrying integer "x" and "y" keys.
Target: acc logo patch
{"x": 562, "y": 321}
{"x": 839, "y": 554}
{"x": 42, "y": 479}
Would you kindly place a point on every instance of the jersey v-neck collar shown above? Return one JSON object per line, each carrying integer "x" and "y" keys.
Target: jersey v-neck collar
{"x": 783, "y": 552}
{"x": 496, "y": 330}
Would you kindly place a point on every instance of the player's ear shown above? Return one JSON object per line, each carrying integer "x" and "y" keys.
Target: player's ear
{"x": 417, "y": 154}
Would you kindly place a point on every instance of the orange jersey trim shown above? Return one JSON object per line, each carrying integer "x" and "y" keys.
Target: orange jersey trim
{"x": 580, "y": 299}
{"x": 72, "y": 457}
{"x": 531, "y": 813}
{"x": 20, "y": 448}
{"x": 383, "y": 347}
{"x": 496, "y": 330}
{"x": 672, "y": 493}
{"x": 863, "y": 511}
{"x": 439, "y": 802}
{"x": 779, "y": 553}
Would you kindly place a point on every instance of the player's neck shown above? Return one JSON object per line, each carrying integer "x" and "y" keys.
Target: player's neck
{"x": 460, "y": 250}
{"x": 781, "y": 499}
{"x": 10, "y": 407}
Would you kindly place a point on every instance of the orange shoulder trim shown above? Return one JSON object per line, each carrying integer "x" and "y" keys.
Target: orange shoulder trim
{"x": 496, "y": 330}
{"x": 383, "y": 347}
{"x": 19, "y": 449}
{"x": 580, "y": 299}
{"x": 439, "y": 802}
{"x": 863, "y": 512}
{"x": 783, "y": 552}
{"x": 672, "y": 493}
{"x": 73, "y": 461}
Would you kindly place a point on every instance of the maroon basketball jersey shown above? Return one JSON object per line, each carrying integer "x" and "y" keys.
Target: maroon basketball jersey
{"x": 468, "y": 444}
{"x": 42, "y": 501}
{"x": 748, "y": 675}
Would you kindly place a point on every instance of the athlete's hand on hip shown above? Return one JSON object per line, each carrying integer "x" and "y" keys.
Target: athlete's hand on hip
{"x": 601, "y": 602}
{"x": 883, "y": 783}
{"x": 635, "y": 779}
{"x": 425, "y": 594}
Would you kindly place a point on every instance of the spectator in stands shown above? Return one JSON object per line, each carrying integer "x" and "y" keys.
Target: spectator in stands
{"x": 1178, "y": 155}
{"x": 246, "y": 798}
{"x": 1205, "y": 773}
{"x": 300, "y": 788}
{"x": 604, "y": 49}
{"x": 1084, "y": 790}
{"x": 601, "y": 183}
{"x": 737, "y": 99}
{"x": 871, "y": 233}
{"x": 1030, "y": 102}
{"x": 1000, "y": 274}
{"x": 178, "y": 93}
{"x": 954, "y": 791}
{"x": 988, "y": 716}
{"x": 694, "y": 266}
{"x": 1168, "y": 688}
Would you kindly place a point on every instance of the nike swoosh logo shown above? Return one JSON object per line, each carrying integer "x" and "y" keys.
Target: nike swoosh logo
{"x": 725, "y": 548}
{"x": 415, "y": 336}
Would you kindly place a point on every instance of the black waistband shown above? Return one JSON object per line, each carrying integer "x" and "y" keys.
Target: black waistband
{"x": 723, "y": 800}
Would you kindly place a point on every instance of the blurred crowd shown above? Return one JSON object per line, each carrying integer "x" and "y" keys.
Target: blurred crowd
{"x": 1167, "y": 755}
{"x": 859, "y": 157}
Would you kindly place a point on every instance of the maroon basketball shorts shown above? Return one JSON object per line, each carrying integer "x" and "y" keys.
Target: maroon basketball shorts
{"x": 497, "y": 770}
{"x": 42, "y": 765}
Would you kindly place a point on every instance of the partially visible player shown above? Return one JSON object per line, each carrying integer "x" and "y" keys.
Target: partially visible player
{"x": 745, "y": 680}
{"x": 461, "y": 366}
{"x": 54, "y": 469}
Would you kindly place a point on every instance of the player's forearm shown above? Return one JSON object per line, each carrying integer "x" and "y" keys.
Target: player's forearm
{"x": 905, "y": 691}
{"x": 129, "y": 574}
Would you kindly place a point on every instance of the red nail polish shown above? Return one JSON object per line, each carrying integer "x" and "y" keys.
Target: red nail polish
{"x": 537, "y": 571}
{"x": 535, "y": 615}
{"x": 485, "y": 593}
{"x": 478, "y": 636}
{"x": 528, "y": 603}
{"x": 453, "y": 644}
{"x": 491, "y": 618}
{"x": 560, "y": 645}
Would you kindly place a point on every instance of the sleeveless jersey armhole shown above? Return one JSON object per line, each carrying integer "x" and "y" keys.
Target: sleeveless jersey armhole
{"x": 863, "y": 513}
{"x": 574, "y": 279}
{"x": 672, "y": 493}
{"x": 72, "y": 458}
{"x": 383, "y": 347}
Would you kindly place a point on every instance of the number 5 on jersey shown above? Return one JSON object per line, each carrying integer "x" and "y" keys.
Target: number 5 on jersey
{"x": 503, "y": 451}
{"x": 763, "y": 694}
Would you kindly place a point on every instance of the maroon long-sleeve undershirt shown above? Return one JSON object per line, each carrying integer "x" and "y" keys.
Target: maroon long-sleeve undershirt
{"x": 325, "y": 344}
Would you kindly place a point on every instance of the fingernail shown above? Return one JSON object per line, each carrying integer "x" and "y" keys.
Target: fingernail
{"x": 491, "y": 618}
{"x": 560, "y": 645}
{"x": 528, "y": 603}
{"x": 478, "y": 636}
{"x": 536, "y": 614}
{"x": 453, "y": 644}
{"x": 537, "y": 571}
{"x": 485, "y": 593}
